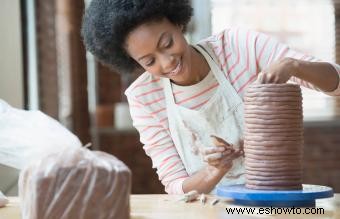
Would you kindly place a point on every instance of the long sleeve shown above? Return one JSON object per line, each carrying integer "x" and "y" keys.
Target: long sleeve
{"x": 269, "y": 50}
{"x": 242, "y": 54}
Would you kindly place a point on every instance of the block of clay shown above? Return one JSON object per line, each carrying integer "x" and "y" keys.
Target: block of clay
{"x": 75, "y": 183}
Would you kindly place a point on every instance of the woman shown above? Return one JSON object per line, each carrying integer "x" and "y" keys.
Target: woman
{"x": 190, "y": 94}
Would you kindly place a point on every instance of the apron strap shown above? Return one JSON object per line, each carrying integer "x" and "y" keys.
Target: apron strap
{"x": 169, "y": 97}
{"x": 219, "y": 75}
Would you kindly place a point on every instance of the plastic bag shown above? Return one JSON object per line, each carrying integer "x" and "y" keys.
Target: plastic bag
{"x": 26, "y": 136}
{"x": 3, "y": 200}
{"x": 75, "y": 184}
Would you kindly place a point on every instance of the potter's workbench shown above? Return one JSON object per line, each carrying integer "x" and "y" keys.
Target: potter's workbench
{"x": 168, "y": 206}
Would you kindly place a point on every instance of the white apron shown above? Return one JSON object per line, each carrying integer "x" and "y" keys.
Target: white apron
{"x": 222, "y": 116}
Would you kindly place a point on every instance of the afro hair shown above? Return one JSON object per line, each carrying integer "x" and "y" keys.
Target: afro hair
{"x": 107, "y": 23}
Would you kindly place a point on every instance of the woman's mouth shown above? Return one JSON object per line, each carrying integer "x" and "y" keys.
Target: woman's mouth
{"x": 176, "y": 70}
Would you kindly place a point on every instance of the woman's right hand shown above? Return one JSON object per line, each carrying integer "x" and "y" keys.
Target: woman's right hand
{"x": 221, "y": 155}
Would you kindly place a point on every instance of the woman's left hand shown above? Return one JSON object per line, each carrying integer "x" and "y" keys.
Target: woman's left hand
{"x": 221, "y": 155}
{"x": 277, "y": 73}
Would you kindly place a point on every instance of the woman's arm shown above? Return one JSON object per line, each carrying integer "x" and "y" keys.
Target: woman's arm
{"x": 205, "y": 179}
{"x": 321, "y": 74}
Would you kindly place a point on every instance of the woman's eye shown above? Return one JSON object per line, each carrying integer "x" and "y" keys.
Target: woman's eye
{"x": 149, "y": 63}
{"x": 169, "y": 43}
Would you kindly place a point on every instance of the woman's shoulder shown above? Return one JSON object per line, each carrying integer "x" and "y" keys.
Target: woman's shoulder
{"x": 228, "y": 35}
{"x": 144, "y": 83}
{"x": 229, "y": 42}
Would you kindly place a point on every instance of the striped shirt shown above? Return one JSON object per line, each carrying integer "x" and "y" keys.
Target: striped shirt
{"x": 241, "y": 55}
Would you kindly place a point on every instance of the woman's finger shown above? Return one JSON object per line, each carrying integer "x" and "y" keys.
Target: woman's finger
{"x": 231, "y": 157}
{"x": 211, "y": 150}
{"x": 215, "y": 163}
{"x": 259, "y": 78}
{"x": 228, "y": 152}
{"x": 212, "y": 157}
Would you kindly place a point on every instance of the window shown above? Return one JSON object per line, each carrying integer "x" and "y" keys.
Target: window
{"x": 305, "y": 25}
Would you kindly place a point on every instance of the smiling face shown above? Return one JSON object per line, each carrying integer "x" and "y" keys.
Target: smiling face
{"x": 161, "y": 49}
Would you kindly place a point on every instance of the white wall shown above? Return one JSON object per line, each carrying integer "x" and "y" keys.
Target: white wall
{"x": 11, "y": 73}
{"x": 201, "y": 20}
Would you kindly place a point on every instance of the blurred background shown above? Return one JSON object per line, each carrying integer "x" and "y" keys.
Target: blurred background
{"x": 44, "y": 66}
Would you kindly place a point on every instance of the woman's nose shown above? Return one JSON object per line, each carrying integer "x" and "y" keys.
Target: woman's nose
{"x": 168, "y": 62}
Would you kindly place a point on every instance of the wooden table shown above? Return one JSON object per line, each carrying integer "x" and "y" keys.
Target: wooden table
{"x": 168, "y": 207}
